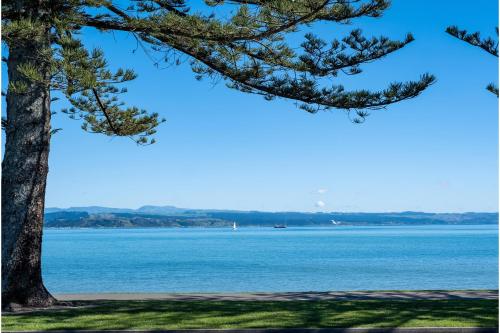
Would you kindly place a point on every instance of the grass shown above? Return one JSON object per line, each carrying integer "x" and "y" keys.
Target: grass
{"x": 155, "y": 315}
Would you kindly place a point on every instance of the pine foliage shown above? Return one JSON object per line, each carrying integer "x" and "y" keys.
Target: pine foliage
{"x": 487, "y": 44}
{"x": 246, "y": 47}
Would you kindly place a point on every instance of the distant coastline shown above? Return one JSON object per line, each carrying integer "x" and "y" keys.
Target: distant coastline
{"x": 173, "y": 217}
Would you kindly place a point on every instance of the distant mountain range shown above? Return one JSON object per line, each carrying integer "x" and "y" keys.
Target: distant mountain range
{"x": 170, "y": 216}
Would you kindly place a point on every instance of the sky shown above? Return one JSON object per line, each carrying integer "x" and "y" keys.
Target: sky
{"x": 224, "y": 149}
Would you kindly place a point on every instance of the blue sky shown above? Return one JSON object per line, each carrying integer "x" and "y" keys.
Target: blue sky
{"x": 224, "y": 149}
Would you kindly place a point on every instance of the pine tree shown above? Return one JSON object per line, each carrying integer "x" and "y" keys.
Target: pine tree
{"x": 247, "y": 49}
{"x": 474, "y": 39}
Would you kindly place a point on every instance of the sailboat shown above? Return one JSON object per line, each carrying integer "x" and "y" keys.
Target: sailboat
{"x": 234, "y": 226}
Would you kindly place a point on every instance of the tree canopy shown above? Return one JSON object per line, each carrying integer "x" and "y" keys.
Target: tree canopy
{"x": 247, "y": 47}
{"x": 487, "y": 44}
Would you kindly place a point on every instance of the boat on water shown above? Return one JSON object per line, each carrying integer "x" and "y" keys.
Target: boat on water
{"x": 234, "y": 226}
{"x": 335, "y": 222}
{"x": 279, "y": 226}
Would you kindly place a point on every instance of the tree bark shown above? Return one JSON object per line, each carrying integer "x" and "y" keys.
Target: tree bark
{"x": 24, "y": 176}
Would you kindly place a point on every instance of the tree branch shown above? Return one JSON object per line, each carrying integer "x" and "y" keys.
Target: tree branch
{"x": 222, "y": 38}
{"x": 104, "y": 111}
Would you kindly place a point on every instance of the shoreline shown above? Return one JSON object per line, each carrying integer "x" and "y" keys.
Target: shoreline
{"x": 288, "y": 296}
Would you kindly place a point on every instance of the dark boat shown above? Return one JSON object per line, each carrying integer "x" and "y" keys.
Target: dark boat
{"x": 280, "y": 226}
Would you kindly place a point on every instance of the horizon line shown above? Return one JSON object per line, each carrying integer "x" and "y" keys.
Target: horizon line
{"x": 277, "y": 211}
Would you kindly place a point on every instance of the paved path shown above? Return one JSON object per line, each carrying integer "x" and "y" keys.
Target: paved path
{"x": 288, "y": 296}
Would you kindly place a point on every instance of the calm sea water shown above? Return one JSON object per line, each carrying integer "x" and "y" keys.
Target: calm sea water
{"x": 267, "y": 259}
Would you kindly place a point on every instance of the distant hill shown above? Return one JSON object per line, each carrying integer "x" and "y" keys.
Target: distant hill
{"x": 170, "y": 216}
{"x": 89, "y": 209}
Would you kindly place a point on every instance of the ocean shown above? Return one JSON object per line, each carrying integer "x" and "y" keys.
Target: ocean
{"x": 267, "y": 259}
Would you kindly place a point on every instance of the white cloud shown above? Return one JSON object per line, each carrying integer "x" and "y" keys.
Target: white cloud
{"x": 444, "y": 184}
{"x": 322, "y": 191}
{"x": 320, "y": 204}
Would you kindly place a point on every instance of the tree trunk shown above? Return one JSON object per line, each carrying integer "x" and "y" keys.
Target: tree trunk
{"x": 24, "y": 175}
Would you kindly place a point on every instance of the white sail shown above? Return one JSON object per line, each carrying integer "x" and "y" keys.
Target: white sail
{"x": 234, "y": 225}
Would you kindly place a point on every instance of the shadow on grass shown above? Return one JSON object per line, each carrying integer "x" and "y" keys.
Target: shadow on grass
{"x": 120, "y": 315}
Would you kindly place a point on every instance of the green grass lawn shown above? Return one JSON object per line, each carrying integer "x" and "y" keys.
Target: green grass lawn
{"x": 259, "y": 314}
